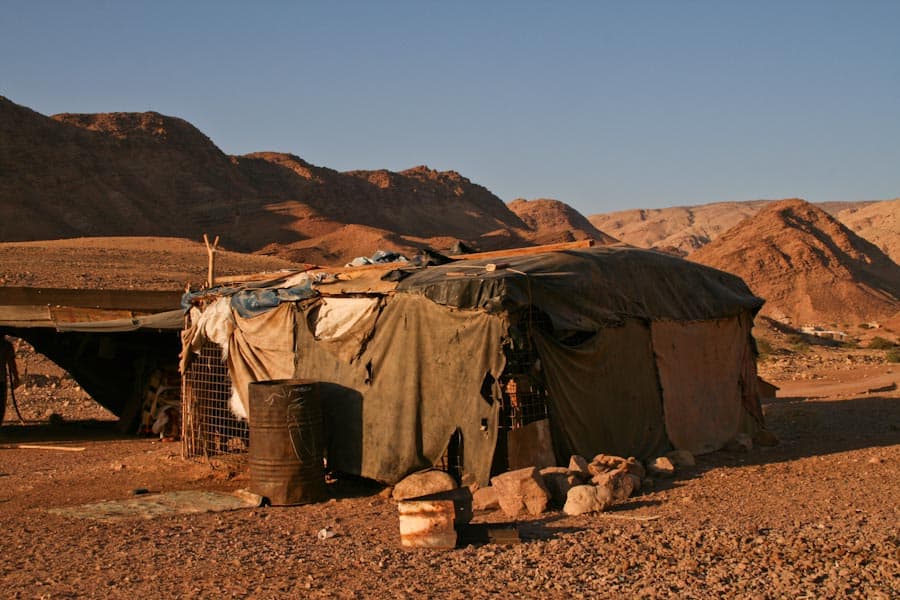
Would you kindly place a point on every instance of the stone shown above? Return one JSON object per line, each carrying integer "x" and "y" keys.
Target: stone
{"x": 423, "y": 483}
{"x": 558, "y": 481}
{"x": 635, "y": 467}
{"x": 468, "y": 480}
{"x": 583, "y": 499}
{"x": 522, "y": 489}
{"x": 579, "y": 465}
{"x": 765, "y": 438}
{"x": 619, "y": 484}
{"x": 740, "y": 443}
{"x": 485, "y": 499}
{"x": 608, "y": 461}
{"x": 681, "y": 458}
{"x": 661, "y": 467}
{"x": 635, "y": 482}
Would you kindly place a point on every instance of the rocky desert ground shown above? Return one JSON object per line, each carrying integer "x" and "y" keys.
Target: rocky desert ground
{"x": 813, "y": 517}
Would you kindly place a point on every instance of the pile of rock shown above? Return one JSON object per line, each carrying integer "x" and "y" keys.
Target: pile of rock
{"x": 580, "y": 488}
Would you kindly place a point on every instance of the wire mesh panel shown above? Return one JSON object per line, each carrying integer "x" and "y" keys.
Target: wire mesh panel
{"x": 524, "y": 396}
{"x": 524, "y": 401}
{"x": 209, "y": 426}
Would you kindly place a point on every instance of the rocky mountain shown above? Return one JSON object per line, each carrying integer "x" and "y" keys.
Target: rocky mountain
{"x": 681, "y": 230}
{"x": 810, "y": 268}
{"x": 146, "y": 174}
{"x": 554, "y": 221}
{"x": 878, "y": 222}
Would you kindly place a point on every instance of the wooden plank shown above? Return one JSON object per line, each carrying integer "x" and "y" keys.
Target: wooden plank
{"x": 357, "y": 282}
{"x": 263, "y": 276}
{"x": 77, "y": 314}
{"x": 375, "y": 267}
{"x": 41, "y": 447}
{"x": 18, "y": 316}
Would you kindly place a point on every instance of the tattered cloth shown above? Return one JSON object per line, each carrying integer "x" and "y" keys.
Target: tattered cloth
{"x": 663, "y": 356}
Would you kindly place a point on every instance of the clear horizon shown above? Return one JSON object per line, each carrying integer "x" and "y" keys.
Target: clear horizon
{"x": 603, "y": 106}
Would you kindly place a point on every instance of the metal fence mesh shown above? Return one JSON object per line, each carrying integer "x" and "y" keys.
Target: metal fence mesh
{"x": 209, "y": 428}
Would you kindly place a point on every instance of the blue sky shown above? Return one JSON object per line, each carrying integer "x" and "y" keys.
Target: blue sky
{"x": 604, "y": 105}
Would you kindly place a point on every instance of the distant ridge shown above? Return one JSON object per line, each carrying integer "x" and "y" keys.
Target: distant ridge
{"x": 681, "y": 230}
{"x": 809, "y": 267}
{"x": 555, "y": 221}
{"x": 147, "y": 174}
{"x": 878, "y": 222}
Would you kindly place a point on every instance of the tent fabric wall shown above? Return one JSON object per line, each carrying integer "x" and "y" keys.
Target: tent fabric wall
{"x": 605, "y": 393}
{"x": 392, "y": 410}
{"x": 261, "y": 348}
{"x": 700, "y": 367}
{"x": 667, "y": 356}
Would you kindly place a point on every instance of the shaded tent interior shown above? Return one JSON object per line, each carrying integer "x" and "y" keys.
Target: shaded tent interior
{"x": 613, "y": 350}
{"x": 110, "y": 341}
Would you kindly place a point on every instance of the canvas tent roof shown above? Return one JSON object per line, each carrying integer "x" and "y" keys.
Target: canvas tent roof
{"x": 423, "y": 358}
{"x": 585, "y": 289}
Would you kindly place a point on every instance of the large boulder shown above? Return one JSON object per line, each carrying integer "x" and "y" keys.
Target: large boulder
{"x": 583, "y": 499}
{"x": 522, "y": 489}
{"x": 423, "y": 483}
{"x": 485, "y": 499}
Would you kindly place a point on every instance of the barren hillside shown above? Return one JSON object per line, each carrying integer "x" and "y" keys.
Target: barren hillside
{"x": 121, "y": 263}
{"x": 146, "y": 174}
{"x": 553, "y": 221}
{"x": 684, "y": 229}
{"x": 809, "y": 267}
{"x": 680, "y": 229}
{"x": 878, "y": 222}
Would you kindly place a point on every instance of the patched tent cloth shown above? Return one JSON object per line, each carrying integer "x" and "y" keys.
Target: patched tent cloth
{"x": 640, "y": 352}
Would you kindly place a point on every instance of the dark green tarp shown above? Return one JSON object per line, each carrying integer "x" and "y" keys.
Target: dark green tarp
{"x": 393, "y": 409}
{"x": 587, "y": 289}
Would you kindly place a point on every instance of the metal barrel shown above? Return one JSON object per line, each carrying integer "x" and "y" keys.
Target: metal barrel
{"x": 427, "y": 524}
{"x": 286, "y": 442}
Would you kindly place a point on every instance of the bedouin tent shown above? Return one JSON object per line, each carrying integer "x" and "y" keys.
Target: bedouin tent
{"x": 639, "y": 352}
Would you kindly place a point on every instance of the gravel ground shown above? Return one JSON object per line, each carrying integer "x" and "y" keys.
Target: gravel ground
{"x": 814, "y": 517}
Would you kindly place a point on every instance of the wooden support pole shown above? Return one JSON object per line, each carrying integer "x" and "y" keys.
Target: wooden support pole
{"x": 211, "y": 251}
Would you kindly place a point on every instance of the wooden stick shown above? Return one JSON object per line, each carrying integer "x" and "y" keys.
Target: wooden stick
{"x": 527, "y": 250}
{"x": 211, "y": 251}
{"x": 39, "y": 447}
{"x": 263, "y": 276}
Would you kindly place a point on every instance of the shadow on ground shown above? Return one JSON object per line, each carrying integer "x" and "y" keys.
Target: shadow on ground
{"x": 808, "y": 428}
{"x": 67, "y": 431}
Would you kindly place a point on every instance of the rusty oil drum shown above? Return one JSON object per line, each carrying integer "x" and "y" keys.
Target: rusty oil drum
{"x": 286, "y": 442}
